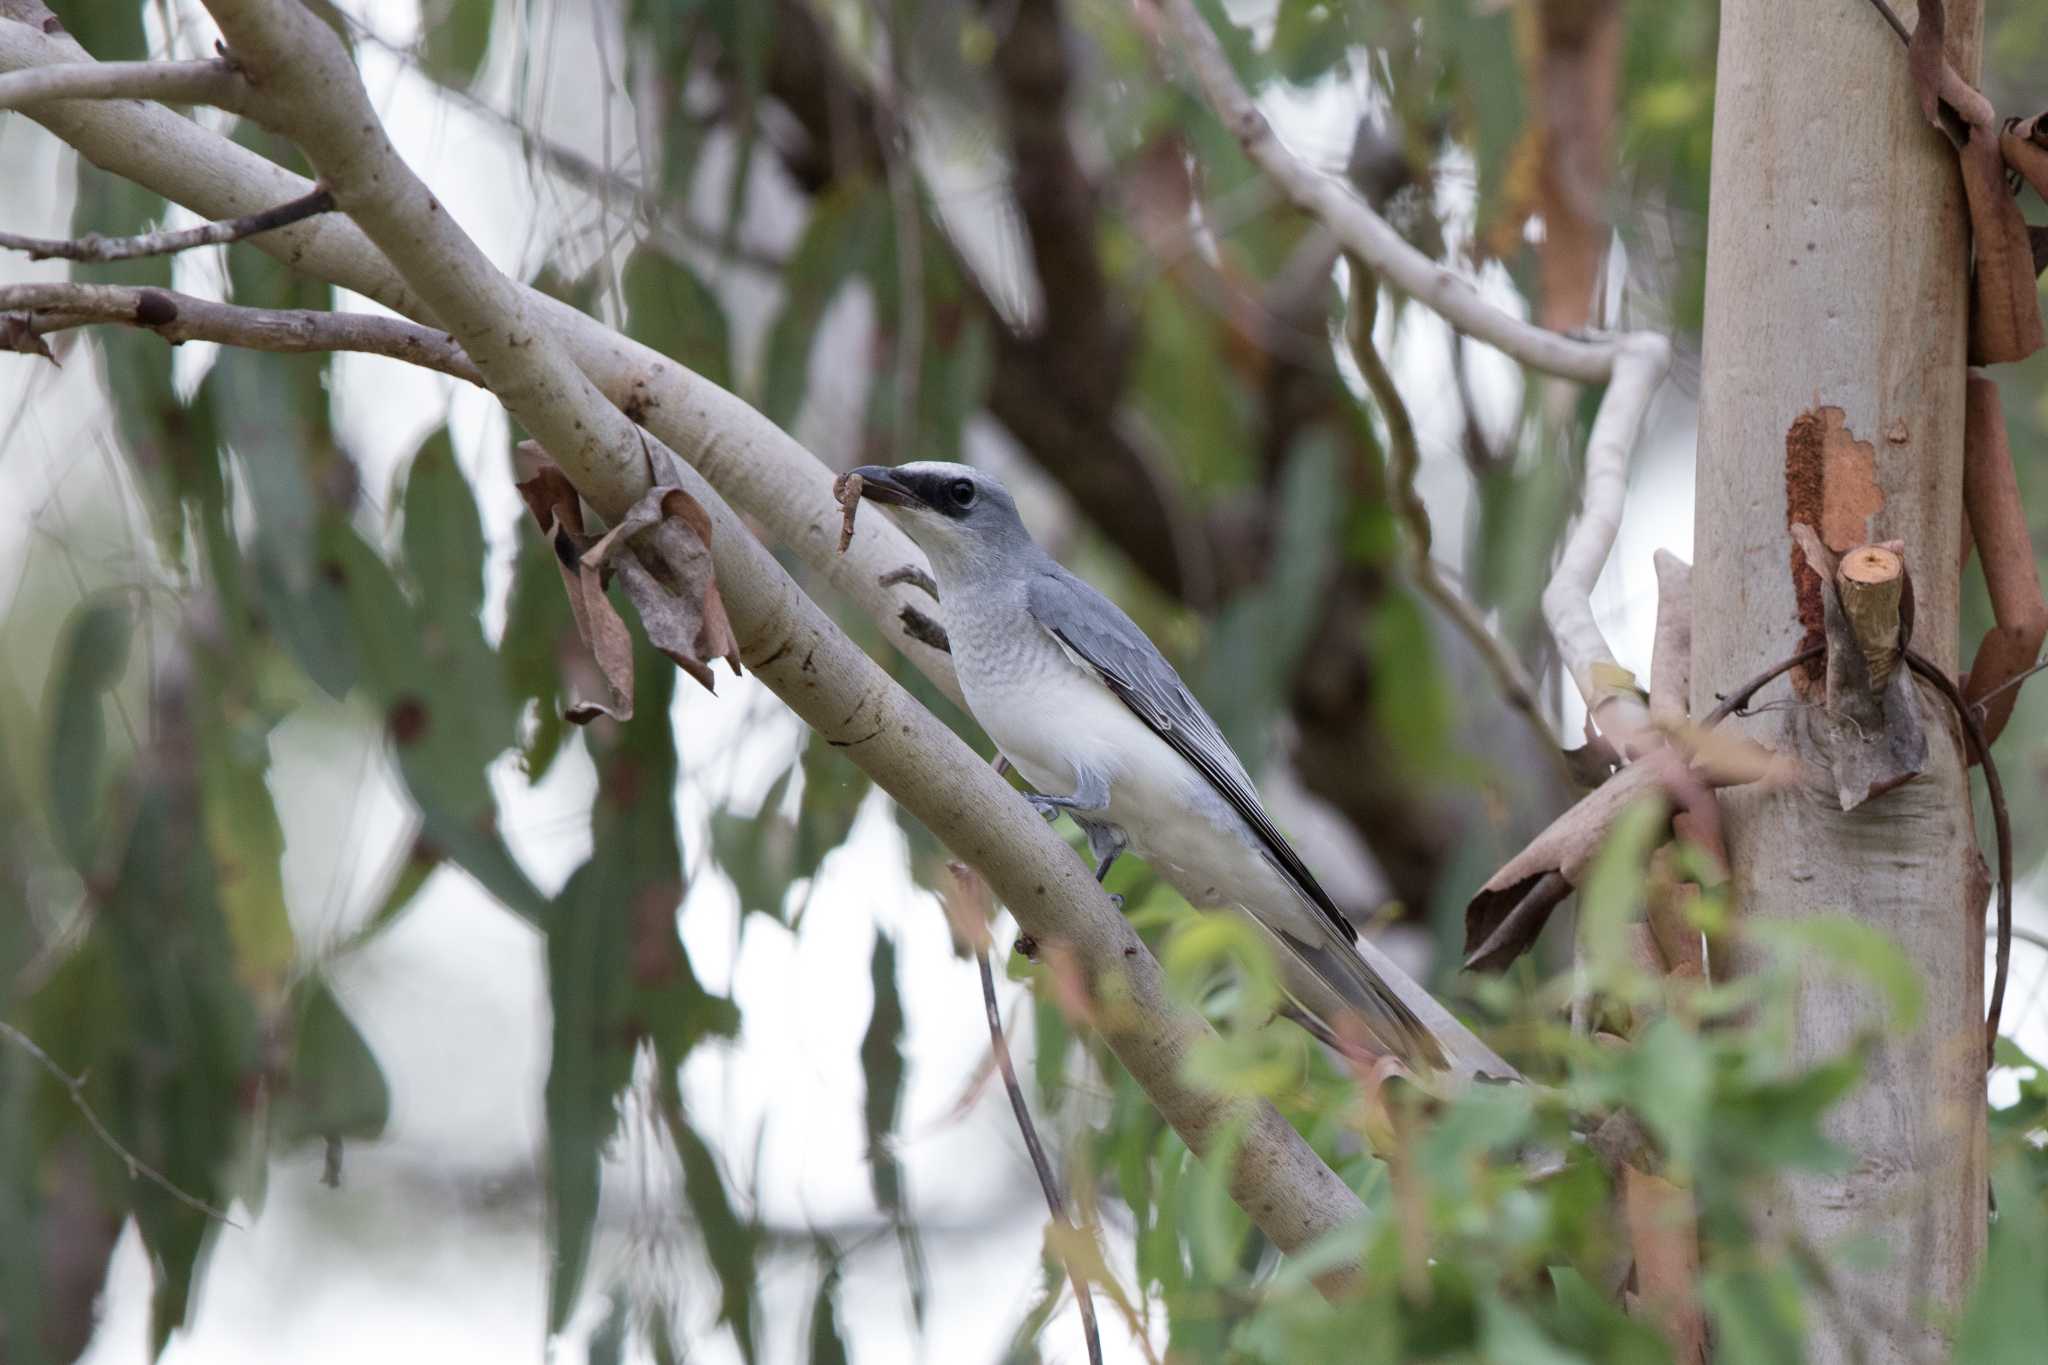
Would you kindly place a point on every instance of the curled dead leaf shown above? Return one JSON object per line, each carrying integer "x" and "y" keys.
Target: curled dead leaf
{"x": 18, "y": 333}
{"x": 680, "y": 609}
{"x": 1504, "y": 918}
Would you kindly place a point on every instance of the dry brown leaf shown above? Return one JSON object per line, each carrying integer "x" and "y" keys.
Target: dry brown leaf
{"x": 1924, "y": 59}
{"x": 1503, "y": 919}
{"x": 1998, "y": 523}
{"x": 1664, "y": 1236}
{"x": 685, "y": 618}
{"x": 552, "y": 500}
{"x": 688, "y": 625}
{"x": 2005, "y": 310}
{"x": 1671, "y": 654}
{"x": 18, "y": 333}
{"x": 2024, "y": 146}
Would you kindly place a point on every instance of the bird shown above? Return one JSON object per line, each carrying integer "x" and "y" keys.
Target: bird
{"x": 1085, "y": 707}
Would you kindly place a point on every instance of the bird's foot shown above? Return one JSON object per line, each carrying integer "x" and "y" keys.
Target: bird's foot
{"x": 1050, "y": 807}
{"x": 1116, "y": 899}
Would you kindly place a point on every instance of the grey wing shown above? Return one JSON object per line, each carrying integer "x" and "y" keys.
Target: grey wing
{"x": 1098, "y": 633}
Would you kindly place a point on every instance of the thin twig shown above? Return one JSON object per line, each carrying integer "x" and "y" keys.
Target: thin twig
{"x": 93, "y": 247}
{"x": 2001, "y": 822}
{"x": 75, "y": 1087}
{"x": 1047, "y": 1182}
{"x": 1630, "y": 364}
{"x": 1983, "y": 703}
{"x": 212, "y": 81}
{"x": 176, "y": 317}
{"x": 1733, "y": 702}
{"x": 1404, "y": 458}
{"x": 1897, "y": 24}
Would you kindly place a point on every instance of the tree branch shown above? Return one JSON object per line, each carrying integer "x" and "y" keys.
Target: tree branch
{"x": 93, "y": 247}
{"x": 74, "y": 1086}
{"x": 785, "y": 637}
{"x": 213, "y": 81}
{"x": 1403, "y": 460}
{"x": 1630, "y": 364}
{"x": 46, "y": 308}
{"x": 784, "y": 488}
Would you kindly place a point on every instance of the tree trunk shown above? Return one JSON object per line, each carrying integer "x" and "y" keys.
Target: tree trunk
{"x": 1837, "y": 255}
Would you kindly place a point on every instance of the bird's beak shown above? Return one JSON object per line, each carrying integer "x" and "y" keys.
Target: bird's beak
{"x": 878, "y": 483}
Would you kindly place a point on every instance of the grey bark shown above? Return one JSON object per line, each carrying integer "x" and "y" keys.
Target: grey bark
{"x": 1837, "y": 251}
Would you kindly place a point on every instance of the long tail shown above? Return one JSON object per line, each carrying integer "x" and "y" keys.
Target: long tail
{"x": 1364, "y": 994}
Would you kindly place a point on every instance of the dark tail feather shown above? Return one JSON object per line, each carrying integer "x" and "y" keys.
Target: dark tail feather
{"x": 1385, "y": 1016}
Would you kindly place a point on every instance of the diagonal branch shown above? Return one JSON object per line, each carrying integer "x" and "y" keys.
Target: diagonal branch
{"x": 45, "y": 308}
{"x": 1630, "y": 365}
{"x": 93, "y": 247}
{"x": 789, "y": 642}
{"x": 784, "y": 488}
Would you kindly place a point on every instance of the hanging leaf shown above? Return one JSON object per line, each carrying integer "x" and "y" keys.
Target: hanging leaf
{"x": 247, "y": 843}
{"x": 148, "y": 1009}
{"x": 670, "y": 309}
{"x": 539, "y": 635}
{"x": 828, "y": 1342}
{"x": 848, "y": 232}
{"x": 444, "y": 739}
{"x": 617, "y": 970}
{"x": 333, "y": 1087}
{"x": 90, "y": 661}
{"x": 881, "y": 1060}
{"x": 729, "y": 1244}
{"x": 458, "y": 33}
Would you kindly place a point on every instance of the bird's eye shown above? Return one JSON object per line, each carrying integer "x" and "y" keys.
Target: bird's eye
{"x": 961, "y": 491}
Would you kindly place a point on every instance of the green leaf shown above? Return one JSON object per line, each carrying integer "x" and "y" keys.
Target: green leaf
{"x": 538, "y": 629}
{"x": 90, "y": 661}
{"x": 591, "y": 1061}
{"x": 458, "y": 33}
{"x": 608, "y": 1342}
{"x": 617, "y": 970}
{"x": 1757, "y": 1317}
{"x": 148, "y": 1009}
{"x": 670, "y": 309}
{"x": 2006, "y": 1321}
{"x": 334, "y": 1088}
{"x": 1260, "y": 636}
{"x": 1411, "y": 701}
{"x": 881, "y": 1060}
{"x": 828, "y": 1342}
{"x": 443, "y": 738}
{"x": 730, "y": 1244}
{"x": 443, "y": 537}
{"x": 847, "y": 235}
{"x": 1512, "y": 1338}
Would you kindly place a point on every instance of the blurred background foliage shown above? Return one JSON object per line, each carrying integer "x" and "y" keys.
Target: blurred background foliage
{"x": 914, "y": 228}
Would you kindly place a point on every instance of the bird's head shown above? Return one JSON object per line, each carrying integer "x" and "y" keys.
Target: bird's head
{"x": 963, "y": 518}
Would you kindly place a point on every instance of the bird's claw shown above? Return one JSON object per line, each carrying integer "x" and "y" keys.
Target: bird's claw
{"x": 1116, "y": 899}
{"x": 1044, "y": 805}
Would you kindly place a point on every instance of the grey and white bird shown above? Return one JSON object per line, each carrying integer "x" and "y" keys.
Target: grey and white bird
{"x": 1082, "y": 703}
